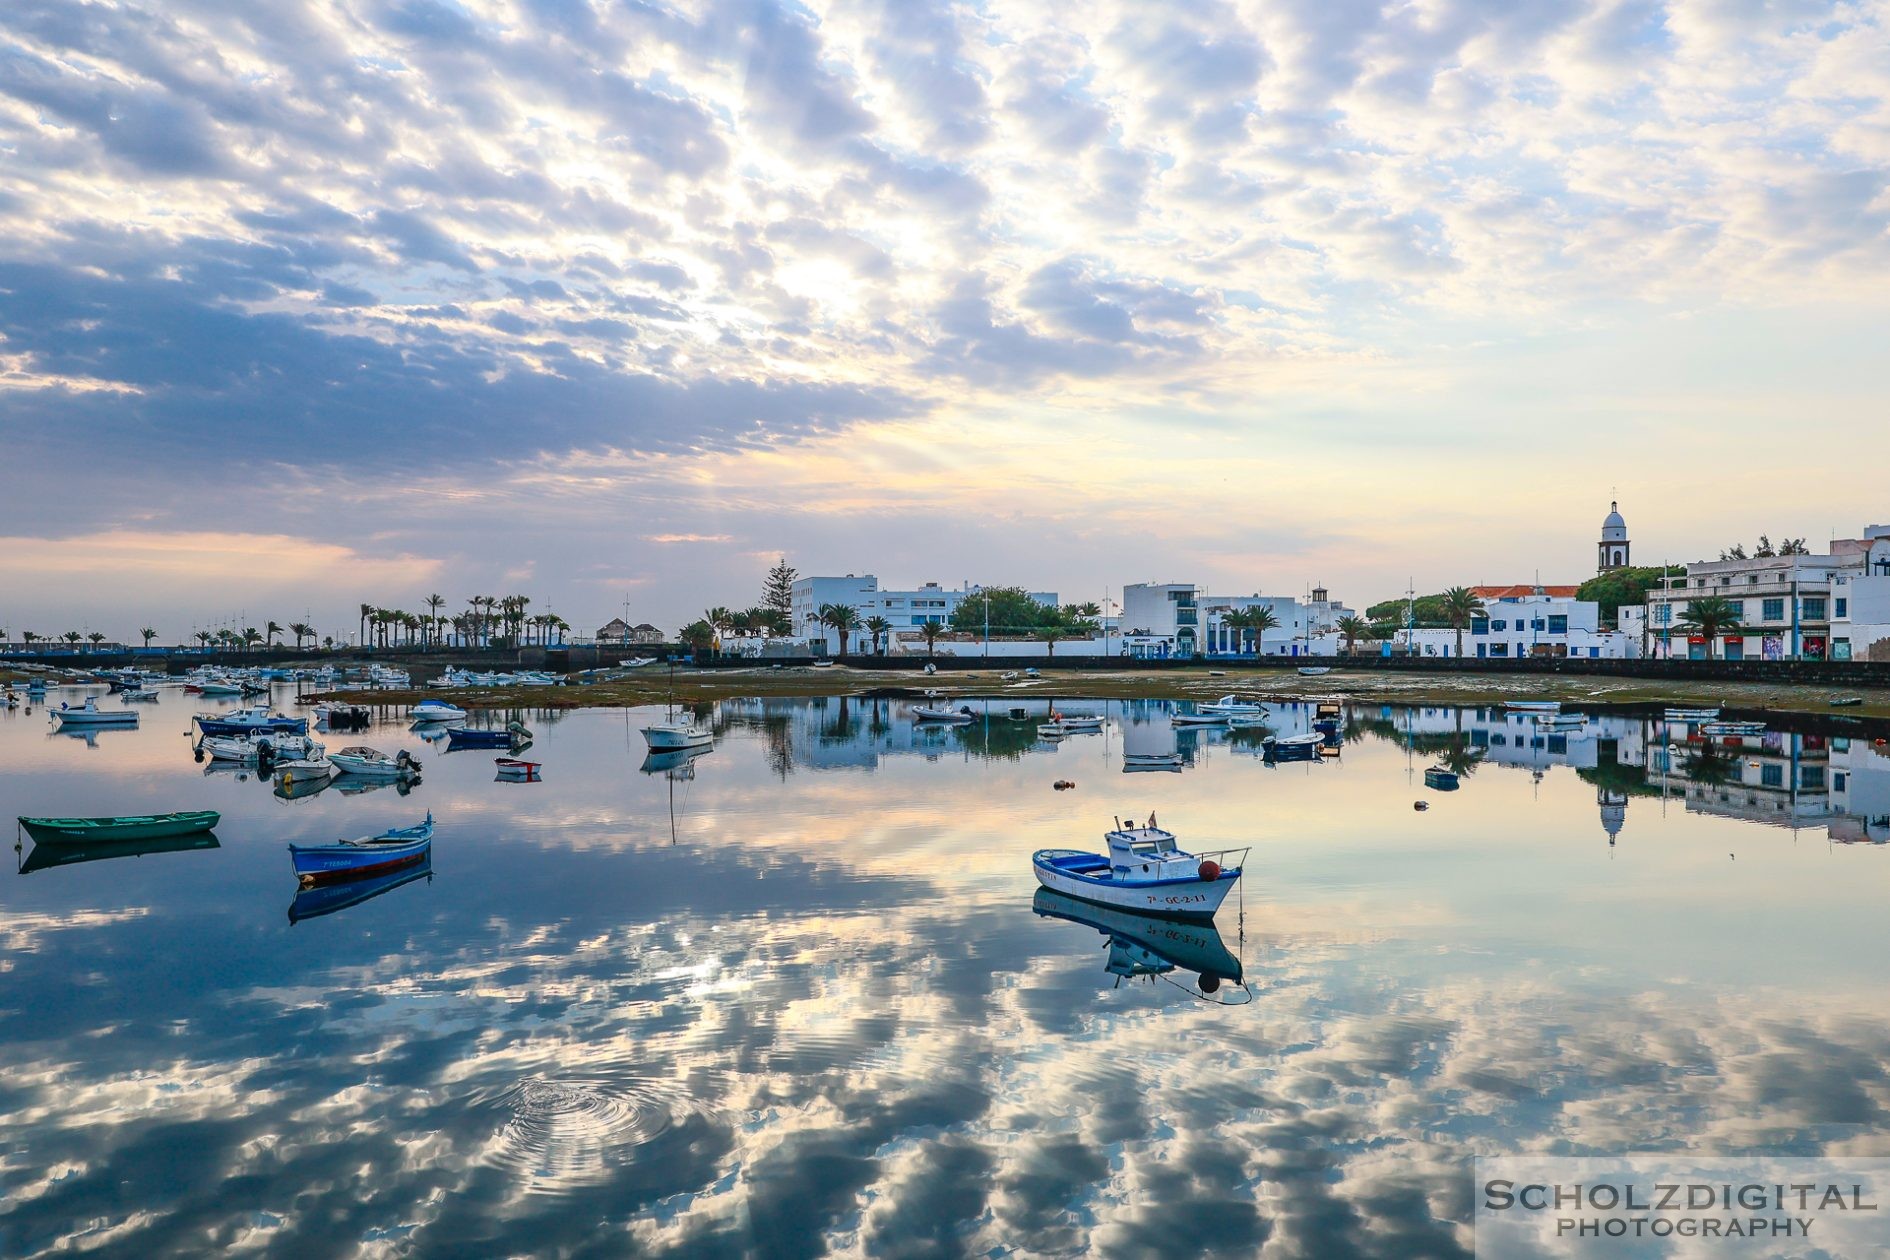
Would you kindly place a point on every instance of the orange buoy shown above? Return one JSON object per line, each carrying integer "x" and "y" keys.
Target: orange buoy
{"x": 1210, "y": 869}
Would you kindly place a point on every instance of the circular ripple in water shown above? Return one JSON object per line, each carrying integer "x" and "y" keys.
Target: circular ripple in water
{"x": 569, "y": 1130}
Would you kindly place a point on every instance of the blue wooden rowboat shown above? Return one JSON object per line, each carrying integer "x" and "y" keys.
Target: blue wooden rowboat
{"x": 349, "y": 859}
{"x": 512, "y": 736}
{"x": 246, "y": 721}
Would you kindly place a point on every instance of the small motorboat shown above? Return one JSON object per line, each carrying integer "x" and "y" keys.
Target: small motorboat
{"x": 371, "y": 763}
{"x": 957, "y": 717}
{"x": 131, "y": 694}
{"x": 261, "y": 746}
{"x": 246, "y": 721}
{"x": 213, "y": 687}
{"x": 1561, "y": 721}
{"x": 1691, "y": 715}
{"x": 116, "y": 830}
{"x": 823, "y": 664}
{"x": 1229, "y": 705}
{"x": 1199, "y": 719}
{"x": 1441, "y": 779}
{"x": 89, "y": 714}
{"x": 343, "y": 717}
{"x": 1532, "y": 706}
{"x": 436, "y": 711}
{"x": 389, "y": 850}
{"x": 1314, "y": 671}
{"x": 1133, "y": 763}
{"x": 312, "y": 766}
{"x": 1070, "y": 724}
{"x": 1144, "y": 871}
{"x": 636, "y": 662}
{"x": 513, "y": 736}
{"x": 515, "y": 770}
{"x": 1733, "y": 728}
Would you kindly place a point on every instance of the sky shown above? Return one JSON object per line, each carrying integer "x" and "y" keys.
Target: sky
{"x": 304, "y": 305}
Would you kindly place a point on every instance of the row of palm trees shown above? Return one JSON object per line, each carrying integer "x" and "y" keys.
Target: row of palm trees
{"x": 488, "y": 619}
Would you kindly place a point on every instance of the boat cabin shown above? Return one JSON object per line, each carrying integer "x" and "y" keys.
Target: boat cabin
{"x": 1148, "y": 853}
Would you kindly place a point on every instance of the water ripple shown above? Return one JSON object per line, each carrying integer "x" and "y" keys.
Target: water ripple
{"x": 568, "y": 1130}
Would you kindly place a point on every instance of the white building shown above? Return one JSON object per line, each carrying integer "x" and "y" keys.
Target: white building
{"x": 1168, "y": 619}
{"x": 905, "y": 609}
{"x": 1522, "y": 621}
{"x": 1832, "y": 606}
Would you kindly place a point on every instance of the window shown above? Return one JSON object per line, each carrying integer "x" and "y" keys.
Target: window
{"x": 1479, "y": 625}
{"x": 1772, "y": 776}
{"x": 1838, "y": 781}
{"x": 1499, "y": 624}
{"x": 1813, "y": 608}
{"x": 1499, "y": 649}
{"x": 1558, "y": 624}
{"x": 1536, "y": 625}
{"x": 1842, "y": 607}
{"x": 1663, "y": 613}
{"x": 1773, "y": 610}
{"x": 1811, "y": 778}
{"x": 1752, "y": 580}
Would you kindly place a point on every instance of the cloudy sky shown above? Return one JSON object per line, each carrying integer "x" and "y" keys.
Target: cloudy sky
{"x": 305, "y": 304}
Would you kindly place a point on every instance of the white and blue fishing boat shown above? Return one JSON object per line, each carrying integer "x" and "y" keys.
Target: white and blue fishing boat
{"x": 1144, "y": 871}
{"x": 369, "y": 855}
{"x": 89, "y": 714}
{"x": 513, "y": 736}
{"x": 956, "y": 717}
{"x": 245, "y": 721}
{"x": 1230, "y": 704}
{"x": 1533, "y": 706}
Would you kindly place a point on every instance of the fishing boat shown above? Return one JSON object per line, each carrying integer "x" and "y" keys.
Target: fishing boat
{"x": 436, "y": 711}
{"x": 1314, "y": 671}
{"x": 1199, "y": 719}
{"x": 71, "y": 853}
{"x": 371, "y": 763}
{"x": 1441, "y": 779}
{"x": 264, "y": 745}
{"x": 1133, "y": 763}
{"x": 1561, "y": 721}
{"x": 956, "y": 717}
{"x": 312, "y": 766}
{"x": 1070, "y": 724}
{"x": 1144, "y": 871}
{"x": 120, "y": 828}
{"x": 89, "y": 714}
{"x": 389, "y": 850}
{"x": 1230, "y": 705}
{"x": 246, "y": 721}
{"x": 513, "y": 736}
{"x": 516, "y": 770}
{"x": 1532, "y": 706}
{"x": 313, "y": 901}
{"x": 1292, "y": 746}
{"x": 130, "y": 694}
{"x": 637, "y": 662}
{"x": 1147, "y": 945}
{"x": 1691, "y": 715}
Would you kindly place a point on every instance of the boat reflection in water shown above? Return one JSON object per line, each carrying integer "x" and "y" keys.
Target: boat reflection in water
{"x": 312, "y": 903}
{"x": 45, "y": 856}
{"x": 354, "y": 784}
{"x": 297, "y": 789}
{"x": 1150, "y": 945}
{"x": 672, "y": 760}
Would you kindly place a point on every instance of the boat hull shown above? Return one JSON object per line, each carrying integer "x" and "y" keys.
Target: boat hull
{"x": 1170, "y": 898}
{"x": 83, "y": 717}
{"x": 669, "y": 739}
{"x": 324, "y": 863}
{"x": 223, "y": 726}
{"x": 115, "y": 830}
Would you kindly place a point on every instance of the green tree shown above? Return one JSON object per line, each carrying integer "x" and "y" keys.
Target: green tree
{"x": 251, "y": 636}
{"x": 1710, "y": 617}
{"x": 842, "y": 618}
{"x": 777, "y": 589}
{"x": 930, "y": 630}
{"x": 1625, "y": 587}
{"x": 147, "y": 634}
{"x": 1010, "y": 610}
{"x": 1425, "y": 610}
{"x": 879, "y": 627}
{"x": 1460, "y": 606}
{"x": 697, "y": 636}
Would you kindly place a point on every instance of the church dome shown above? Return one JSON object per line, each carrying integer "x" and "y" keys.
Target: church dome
{"x": 1614, "y": 520}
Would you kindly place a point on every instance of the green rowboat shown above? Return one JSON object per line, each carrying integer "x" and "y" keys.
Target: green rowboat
{"x": 47, "y": 856}
{"x": 106, "y": 830}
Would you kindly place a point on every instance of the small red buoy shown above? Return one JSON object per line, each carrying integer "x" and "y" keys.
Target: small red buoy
{"x": 1210, "y": 869}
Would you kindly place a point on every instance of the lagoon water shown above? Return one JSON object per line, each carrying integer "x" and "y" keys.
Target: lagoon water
{"x": 798, "y": 995}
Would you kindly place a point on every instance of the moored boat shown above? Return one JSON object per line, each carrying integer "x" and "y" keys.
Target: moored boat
{"x": 245, "y": 721}
{"x": 1199, "y": 719}
{"x": 388, "y": 850}
{"x": 513, "y": 736}
{"x": 1144, "y": 870}
{"x": 1733, "y": 728}
{"x": 312, "y": 766}
{"x": 314, "y": 900}
{"x": 1230, "y": 704}
{"x": 261, "y": 746}
{"x": 89, "y": 714}
{"x": 119, "y": 828}
{"x": 957, "y": 717}
{"x": 514, "y": 768}
{"x": 1313, "y": 671}
{"x": 1691, "y": 715}
{"x": 436, "y": 711}
{"x": 372, "y": 763}
{"x": 1146, "y": 945}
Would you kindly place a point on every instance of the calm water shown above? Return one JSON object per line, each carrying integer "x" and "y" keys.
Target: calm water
{"x": 797, "y": 995}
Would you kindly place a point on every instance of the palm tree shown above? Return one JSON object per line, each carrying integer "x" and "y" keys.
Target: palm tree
{"x": 270, "y": 632}
{"x": 251, "y": 637}
{"x": 1461, "y": 606}
{"x": 1354, "y": 628}
{"x": 843, "y": 618}
{"x": 560, "y": 625}
{"x": 877, "y": 626}
{"x": 148, "y": 634}
{"x": 1050, "y": 634}
{"x": 367, "y": 610}
{"x": 301, "y": 630}
{"x": 72, "y": 637}
{"x": 29, "y": 637}
{"x": 96, "y": 639}
{"x": 1711, "y": 617}
{"x": 434, "y": 603}
{"x": 1252, "y": 622}
{"x": 203, "y": 637}
{"x": 931, "y": 630}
